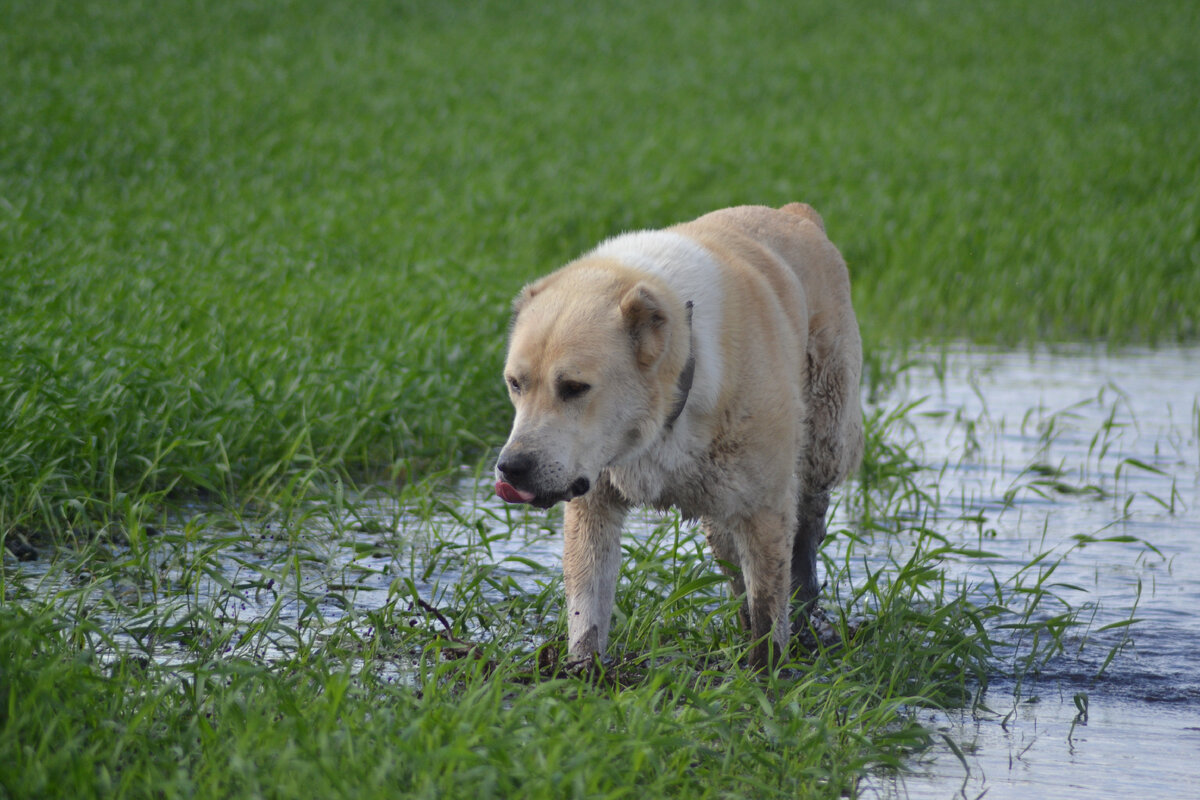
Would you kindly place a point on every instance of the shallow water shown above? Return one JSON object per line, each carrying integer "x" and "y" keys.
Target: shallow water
{"x": 1030, "y": 453}
{"x": 1123, "y": 430}
{"x": 1020, "y": 454}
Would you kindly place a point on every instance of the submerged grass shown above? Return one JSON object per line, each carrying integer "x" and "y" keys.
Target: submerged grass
{"x": 390, "y": 701}
{"x": 255, "y": 260}
{"x": 409, "y": 642}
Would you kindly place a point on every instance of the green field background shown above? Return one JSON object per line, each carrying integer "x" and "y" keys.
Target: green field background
{"x": 256, "y": 259}
{"x": 245, "y": 243}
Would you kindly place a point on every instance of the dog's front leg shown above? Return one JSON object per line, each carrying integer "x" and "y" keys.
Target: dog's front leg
{"x": 766, "y": 545}
{"x": 591, "y": 562}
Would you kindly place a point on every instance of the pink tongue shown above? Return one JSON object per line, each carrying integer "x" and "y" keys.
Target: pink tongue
{"x": 511, "y": 494}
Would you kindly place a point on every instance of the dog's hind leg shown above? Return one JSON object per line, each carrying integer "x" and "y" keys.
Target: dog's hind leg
{"x": 763, "y": 543}
{"x": 724, "y": 550}
{"x": 810, "y": 532}
{"x": 834, "y": 447}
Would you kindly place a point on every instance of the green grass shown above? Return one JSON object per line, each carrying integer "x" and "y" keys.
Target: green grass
{"x": 243, "y": 240}
{"x": 407, "y": 642}
{"x": 125, "y": 674}
{"x": 254, "y": 256}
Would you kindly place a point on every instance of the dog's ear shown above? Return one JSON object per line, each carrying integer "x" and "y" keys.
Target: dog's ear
{"x": 524, "y": 296}
{"x": 646, "y": 320}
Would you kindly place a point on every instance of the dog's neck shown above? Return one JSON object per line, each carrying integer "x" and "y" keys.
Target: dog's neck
{"x": 685, "y": 378}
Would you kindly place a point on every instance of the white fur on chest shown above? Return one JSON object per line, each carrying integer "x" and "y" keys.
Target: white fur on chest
{"x": 670, "y": 473}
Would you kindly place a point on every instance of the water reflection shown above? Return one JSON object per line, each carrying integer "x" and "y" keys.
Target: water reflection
{"x": 1115, "y": 439}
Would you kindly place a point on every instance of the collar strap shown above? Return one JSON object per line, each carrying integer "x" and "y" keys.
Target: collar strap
{"x": 685, "y": 378}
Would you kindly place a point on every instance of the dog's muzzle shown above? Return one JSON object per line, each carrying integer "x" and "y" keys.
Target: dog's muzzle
{"x": 513, "y": 472}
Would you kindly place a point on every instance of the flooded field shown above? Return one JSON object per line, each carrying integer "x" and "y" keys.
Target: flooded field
{"x": 1077, "y": 472}
{"x": 1098, "y": 457}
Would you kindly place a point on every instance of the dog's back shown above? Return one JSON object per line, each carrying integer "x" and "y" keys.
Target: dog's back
{"x": 795, "y": 235}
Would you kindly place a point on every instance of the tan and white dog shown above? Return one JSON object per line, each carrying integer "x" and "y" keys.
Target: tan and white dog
{"x": 713, "y": 366}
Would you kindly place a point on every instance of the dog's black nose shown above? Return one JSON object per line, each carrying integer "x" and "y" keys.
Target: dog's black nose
{"x": 516, "y": 466}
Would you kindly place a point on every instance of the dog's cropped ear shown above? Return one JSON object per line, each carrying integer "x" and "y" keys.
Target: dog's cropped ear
{"x": 646, "y": 320}
{"x": 524, "y": 296}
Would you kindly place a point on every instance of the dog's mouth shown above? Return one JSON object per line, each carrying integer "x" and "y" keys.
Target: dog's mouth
{"x": 511, "y": 494}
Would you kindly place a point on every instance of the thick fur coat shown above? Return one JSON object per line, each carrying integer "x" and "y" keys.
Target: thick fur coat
{"x": 713, "y": 366}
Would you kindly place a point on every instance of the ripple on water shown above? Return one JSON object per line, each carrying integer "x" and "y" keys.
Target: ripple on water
{"x": 1126, "y": 424}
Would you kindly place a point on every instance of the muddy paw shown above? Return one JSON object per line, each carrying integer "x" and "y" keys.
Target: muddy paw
{"x": 816, "y": 629}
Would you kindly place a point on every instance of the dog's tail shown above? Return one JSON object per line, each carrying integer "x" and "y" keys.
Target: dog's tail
{"x": 805, "y": 210}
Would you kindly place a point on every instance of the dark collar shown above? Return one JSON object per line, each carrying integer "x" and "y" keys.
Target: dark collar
{"x": 685, "y": 378}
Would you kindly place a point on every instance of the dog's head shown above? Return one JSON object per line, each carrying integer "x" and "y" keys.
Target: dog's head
{"x": 595, "y": 356}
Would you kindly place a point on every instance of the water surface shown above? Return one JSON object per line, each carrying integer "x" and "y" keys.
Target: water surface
{"x": 1113, "y": 440}
{"x": 1091, "y": 457}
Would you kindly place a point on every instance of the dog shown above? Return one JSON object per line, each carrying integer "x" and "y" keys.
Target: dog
{"x": 712, "y": 366}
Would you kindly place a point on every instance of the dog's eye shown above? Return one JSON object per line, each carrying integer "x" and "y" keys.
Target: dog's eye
{"x": 514, "y": 385}
{"x": 571, "y": 390}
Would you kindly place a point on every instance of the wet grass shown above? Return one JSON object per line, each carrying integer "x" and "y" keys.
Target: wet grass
{"x": 255, "y": 262}
{"x": 407, "y": 641}
{"x": 396, "y": 699}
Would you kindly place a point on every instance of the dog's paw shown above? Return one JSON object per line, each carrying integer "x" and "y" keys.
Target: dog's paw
{"x": 816, "y": 629}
